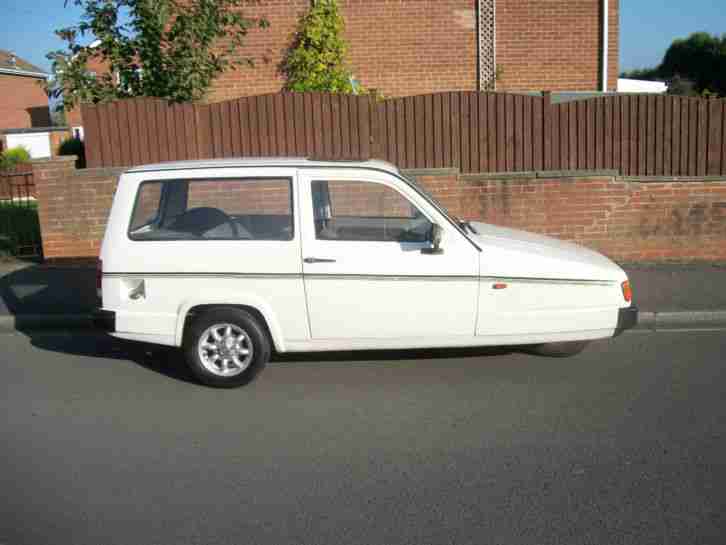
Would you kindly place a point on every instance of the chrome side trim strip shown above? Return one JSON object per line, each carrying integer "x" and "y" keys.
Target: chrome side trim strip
{"x": 378, "y": 277}
{"x": 532, "y": 280}
{"x": 392, "y": 277}
{"x": 266, "y": 276}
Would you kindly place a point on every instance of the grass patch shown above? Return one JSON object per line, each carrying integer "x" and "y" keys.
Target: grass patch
{"x": 19, "y": 227}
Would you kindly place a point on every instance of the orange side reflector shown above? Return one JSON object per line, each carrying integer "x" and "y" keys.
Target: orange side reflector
{"x": 627, "y": 291}
{"x": 499, "y": 286}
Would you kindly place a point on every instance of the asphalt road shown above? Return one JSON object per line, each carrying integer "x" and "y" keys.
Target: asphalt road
{"x": 103, "y": 443}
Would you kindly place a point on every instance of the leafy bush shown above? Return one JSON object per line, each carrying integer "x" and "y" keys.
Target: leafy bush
{"x": 316, "y": 61}
{"x": 14, "y": 156}
{"x": 74, "y": 146}
{"x": 19, "y": 226}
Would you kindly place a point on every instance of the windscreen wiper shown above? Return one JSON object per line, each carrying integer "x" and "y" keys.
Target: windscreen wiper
{"x": 466, "y": 226}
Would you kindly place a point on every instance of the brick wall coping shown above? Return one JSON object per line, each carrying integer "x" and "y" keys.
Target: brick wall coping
{"x": 452, "y": 171}
{"x": 58, "y": 159}
{"x": 102, "y": 172}
{"x": 33, "y": 130}
{"x": 584, "y": 175}
{"x": 661, "y": 179}
{"x": 431, "y": 171}
{"x": 542, "y": 174}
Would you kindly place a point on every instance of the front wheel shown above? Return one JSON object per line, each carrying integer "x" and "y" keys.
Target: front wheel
{"x": 226, "y": 347}
{"x": 560, "y": 350}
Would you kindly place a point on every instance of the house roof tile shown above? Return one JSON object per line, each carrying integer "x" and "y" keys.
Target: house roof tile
{"x": 21, "y": 65}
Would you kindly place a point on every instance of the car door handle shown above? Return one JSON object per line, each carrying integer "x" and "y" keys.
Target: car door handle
{"x": 318, "y": 260}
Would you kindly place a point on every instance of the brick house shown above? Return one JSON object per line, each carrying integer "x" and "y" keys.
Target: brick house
{"x": 23, "y": 102}
{"x": 407, "y": 47}
{"x": 73, "y": 116}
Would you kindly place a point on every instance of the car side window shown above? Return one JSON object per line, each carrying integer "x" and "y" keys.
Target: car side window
{"x": 365, "y": 211}
{"x": 147, "y": 206}
{"x": 214, "y": 209}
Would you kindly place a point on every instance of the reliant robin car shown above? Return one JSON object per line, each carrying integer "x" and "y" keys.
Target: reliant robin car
{"x": 231, "y": 259}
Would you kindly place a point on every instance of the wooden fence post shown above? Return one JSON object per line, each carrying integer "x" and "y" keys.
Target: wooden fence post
{"x": 92, "y": 136}
{"x": 375, "y": 135}
{"x": 547, "y": 129}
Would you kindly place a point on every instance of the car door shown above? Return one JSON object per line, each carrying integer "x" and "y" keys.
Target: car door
{"x": 365, "y": 274}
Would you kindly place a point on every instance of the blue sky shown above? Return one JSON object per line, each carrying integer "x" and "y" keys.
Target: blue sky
{"x": 647, "y": 27}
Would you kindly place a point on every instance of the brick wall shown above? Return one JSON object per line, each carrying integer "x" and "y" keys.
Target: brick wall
{"x": 23, "y": 103}
{"x": 554, "y": 44}
{"x": 99, "y": 67}
{"x": 409, "y": 47}
{"x": 398, "y": 47}
{"x": 626, "y": 219}
{"x": 266, "y": 197}
{"x": 425, "y": 46}
{"x": 349, "y": 198}
{"x": 73, "y": 206}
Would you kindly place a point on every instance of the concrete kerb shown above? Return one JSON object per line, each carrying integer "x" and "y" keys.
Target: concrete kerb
{"x": 648, "y": 321}
{"x": 693, "y": 319}
{"x": 684, "y": 319}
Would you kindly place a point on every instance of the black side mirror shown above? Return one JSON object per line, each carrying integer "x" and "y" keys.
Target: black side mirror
{"x": 435, "y": 238}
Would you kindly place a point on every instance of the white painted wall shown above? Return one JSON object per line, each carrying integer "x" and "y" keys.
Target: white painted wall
{"x": 37, "y": 143}
{"x": 641, "y": 86}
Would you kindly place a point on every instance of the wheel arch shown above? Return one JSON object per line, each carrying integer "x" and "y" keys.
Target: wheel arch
{"x": 253, "y": 305}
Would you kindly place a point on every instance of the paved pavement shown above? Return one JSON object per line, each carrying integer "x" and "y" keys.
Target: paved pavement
{"x": 33, "y": 296}
{"x": 105, "y": 442}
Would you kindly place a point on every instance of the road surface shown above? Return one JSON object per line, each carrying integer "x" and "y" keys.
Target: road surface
{"x": 107, "y": 443}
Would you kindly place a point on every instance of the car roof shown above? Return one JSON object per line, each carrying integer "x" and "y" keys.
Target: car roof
{"x": 297, "y": 162}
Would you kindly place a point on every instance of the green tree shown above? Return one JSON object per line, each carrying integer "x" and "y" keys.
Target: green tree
{"x": 316, "y": 60}
{"x": 694, "y": 65}
{"x": 700, "y": 58}
{"x": 160, "y": 48}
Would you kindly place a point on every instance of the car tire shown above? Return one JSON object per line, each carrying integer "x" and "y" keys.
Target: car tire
{"x": 226, "y": 347}
{"x": 560, "y": 350}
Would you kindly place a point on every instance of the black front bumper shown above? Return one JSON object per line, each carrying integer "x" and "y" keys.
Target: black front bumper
{"x": 627, "y": 319}
{"x": 105, "y": 320}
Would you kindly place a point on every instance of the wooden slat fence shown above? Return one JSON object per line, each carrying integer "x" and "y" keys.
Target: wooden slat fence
{"x": 638, "y": 135}
{"x": 139, "y": 131}
{"x": 477, "y": 132}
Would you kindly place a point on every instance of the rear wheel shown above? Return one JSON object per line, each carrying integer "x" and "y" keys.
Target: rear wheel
{"x": 226, "y": 347}
{"x": 560, "y": 350}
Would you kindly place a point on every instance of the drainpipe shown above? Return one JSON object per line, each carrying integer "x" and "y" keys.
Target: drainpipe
{"x": 605, "y": 21}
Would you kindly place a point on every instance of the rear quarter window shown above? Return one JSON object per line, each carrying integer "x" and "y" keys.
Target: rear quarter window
{"x": 214, "y": 209}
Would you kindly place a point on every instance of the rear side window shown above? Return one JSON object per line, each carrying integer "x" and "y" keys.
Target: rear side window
{"x": 147, "y": 205}
{"x": 215, "y": 209}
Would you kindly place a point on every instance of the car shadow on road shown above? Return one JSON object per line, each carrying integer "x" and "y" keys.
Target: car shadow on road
{"x": 169, "y": 361}
{"x": 164, "y": 360}
{"x": 390, "y": 355}
{"x": 47, "y": 291}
